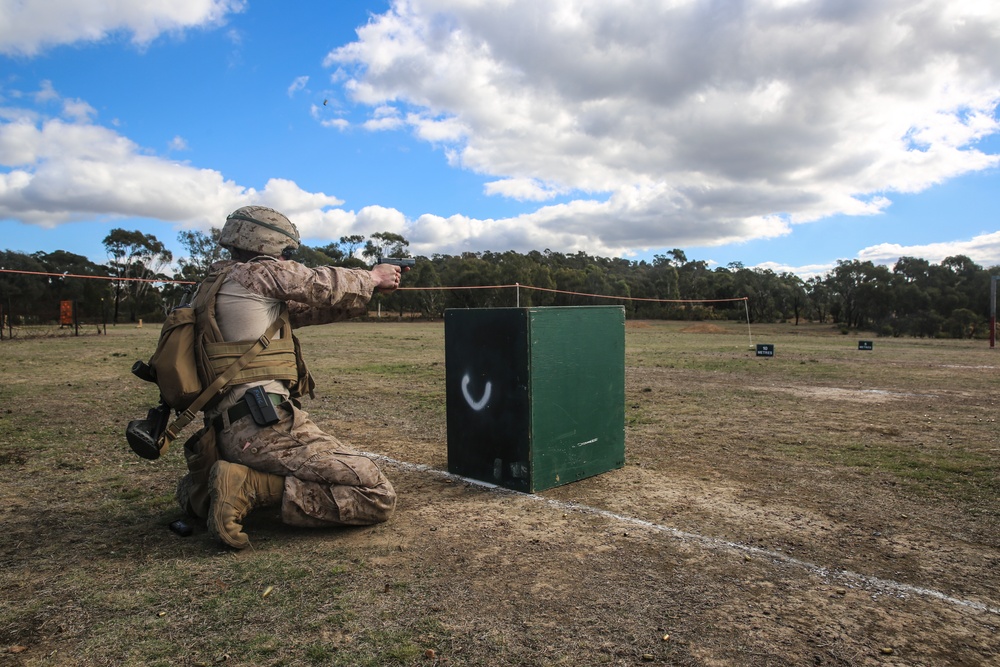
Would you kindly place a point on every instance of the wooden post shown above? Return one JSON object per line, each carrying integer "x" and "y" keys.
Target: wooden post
{"x": 993, "y": 311}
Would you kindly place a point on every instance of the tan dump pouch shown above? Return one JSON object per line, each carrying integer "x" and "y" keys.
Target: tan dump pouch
{"x": 174, "y": 363}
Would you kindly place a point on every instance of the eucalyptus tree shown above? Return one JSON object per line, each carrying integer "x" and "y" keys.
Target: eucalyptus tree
{"x": 912, "y": 291}
{"x": 385, "y": 244}
{"x": 428, "y": 302}
{"x": 88, "y": 293}
{"x": 136, "y": 260}
{"x": 818, "y": 293}
{"x": 313, "y": 257}
{"x": 763, "y": 291}
{"x": 467, "y": 270}
{"x": 349, "y": 245}
{"x": 862, "y": 293}
{"x": 664, "y": 283}
{"x": 203, "y": 251}
{"x": 971, "y": 282}
{"x": 797, "y": 300}
{"x": 510, "y": 268}
{"x": 345, "y": 252}
{"x": 20, "y": 292}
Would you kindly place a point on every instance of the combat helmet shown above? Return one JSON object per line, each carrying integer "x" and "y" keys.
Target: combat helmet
{"x": 259, "y": 229}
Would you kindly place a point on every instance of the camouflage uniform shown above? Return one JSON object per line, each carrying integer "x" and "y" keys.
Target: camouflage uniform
{"x": 326, "y": 483}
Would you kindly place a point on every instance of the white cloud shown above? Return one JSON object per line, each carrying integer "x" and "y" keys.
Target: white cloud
{"x": 384, "y": 118}
{"x": 59, "y": 171}
{"x": 28, "y": 26}
{"x": 804, "y": 272}
{"x": 63, "y": 170}
{"x": 700, "y": 126}
{"x": 298, "y": 84}
{"x": 46, "y": 93}
{"x": 983, "y": 250}
{"x": 319, "y": 113}
{"x": 329, "y": 225}
{"x": 336, "y": 123}
{"x": 380, "y": 218}
{"x": 382, "y": 124}
{"x": 287, "y": 197}
{"x": 435, "y": 130}
{"x": 655, "y": 124}
{"x": 78, "y": 109}
{"x": 522, "y": 189}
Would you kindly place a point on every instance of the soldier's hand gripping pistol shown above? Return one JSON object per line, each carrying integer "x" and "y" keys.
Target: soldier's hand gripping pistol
{"x": 404, "y": 263}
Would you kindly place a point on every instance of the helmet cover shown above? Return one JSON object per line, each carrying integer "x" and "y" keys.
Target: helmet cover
{"x": 259, "y": 229}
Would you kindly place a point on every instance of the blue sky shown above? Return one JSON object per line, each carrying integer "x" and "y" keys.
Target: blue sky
{"x": 786, "y": 134}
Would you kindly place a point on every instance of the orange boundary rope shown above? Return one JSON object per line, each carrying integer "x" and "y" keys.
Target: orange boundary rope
{"x": 412, "y": 289}
{"x": 74, "y": 275}
{"x": 559, "y": 291}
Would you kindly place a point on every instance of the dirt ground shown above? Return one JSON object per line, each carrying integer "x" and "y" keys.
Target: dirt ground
{"x": 732, "y": 566}
{"x": 714, "y": 546}
{"x": 810, "y": 510}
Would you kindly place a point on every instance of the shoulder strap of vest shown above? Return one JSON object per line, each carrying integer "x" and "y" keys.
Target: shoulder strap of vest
{"x": 204, "y": 300}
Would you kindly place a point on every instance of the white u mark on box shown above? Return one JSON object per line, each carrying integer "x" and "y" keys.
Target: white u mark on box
{"x": 474, "y": 404}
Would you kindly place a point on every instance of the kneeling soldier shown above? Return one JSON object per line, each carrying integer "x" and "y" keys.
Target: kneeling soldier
{"x": 268, "y": 450}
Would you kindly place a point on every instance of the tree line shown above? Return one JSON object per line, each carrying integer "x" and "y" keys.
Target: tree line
{"x": 913, "y": 298}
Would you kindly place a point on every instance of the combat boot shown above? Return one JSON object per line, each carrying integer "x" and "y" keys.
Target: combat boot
{"x": 235, "y": 490}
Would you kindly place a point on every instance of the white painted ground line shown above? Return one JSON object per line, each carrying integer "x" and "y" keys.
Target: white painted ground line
{"x": 866, "y": 582}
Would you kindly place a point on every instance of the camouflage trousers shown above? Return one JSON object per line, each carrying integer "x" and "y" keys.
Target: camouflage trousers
{"x": 326, "y": 483}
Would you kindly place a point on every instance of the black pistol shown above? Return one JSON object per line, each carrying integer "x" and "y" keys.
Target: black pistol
{"x": 402, "y": 262}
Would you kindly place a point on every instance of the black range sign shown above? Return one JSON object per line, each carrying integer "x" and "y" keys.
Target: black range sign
{"x": 865, "y": 345}
{"x": 765, "y": 350}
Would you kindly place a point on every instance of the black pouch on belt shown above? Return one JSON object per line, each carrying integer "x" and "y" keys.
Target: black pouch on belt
{"x": 260, "y": 405}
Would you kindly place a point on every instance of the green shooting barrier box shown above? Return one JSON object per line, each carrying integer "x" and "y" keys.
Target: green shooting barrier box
{"x": 535, "y": 396}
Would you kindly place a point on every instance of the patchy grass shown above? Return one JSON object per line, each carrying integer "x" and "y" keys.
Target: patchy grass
{"x": 821, "y": 451}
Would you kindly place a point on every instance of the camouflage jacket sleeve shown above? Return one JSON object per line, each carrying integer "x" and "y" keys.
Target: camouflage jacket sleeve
{"x": 314, "y": 296}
